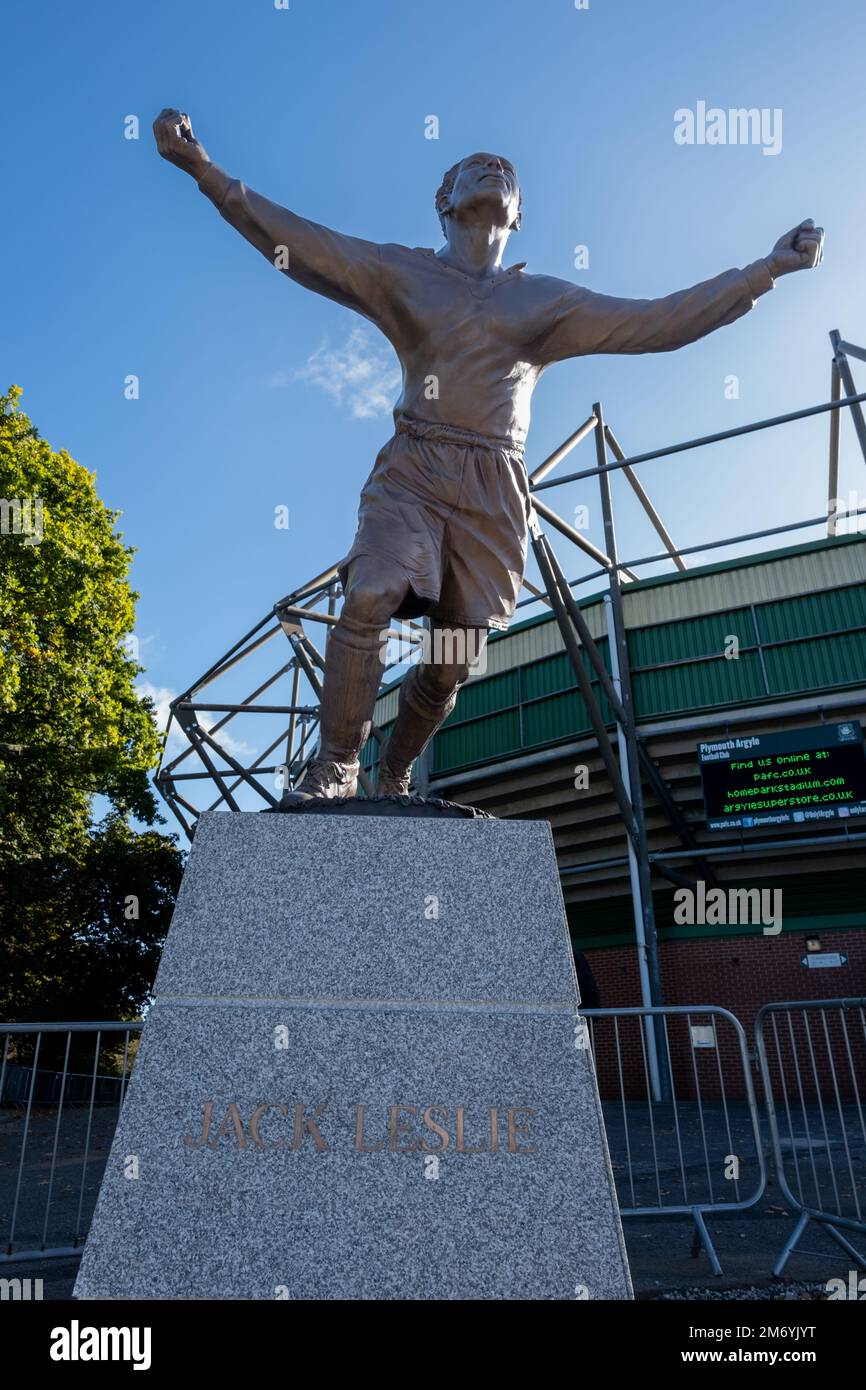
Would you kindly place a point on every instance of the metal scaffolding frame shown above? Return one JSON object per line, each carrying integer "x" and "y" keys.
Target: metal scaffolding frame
{"x": 629, "y": 765}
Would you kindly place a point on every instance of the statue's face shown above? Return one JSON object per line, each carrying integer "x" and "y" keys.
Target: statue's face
{"x": 487, "y": 180}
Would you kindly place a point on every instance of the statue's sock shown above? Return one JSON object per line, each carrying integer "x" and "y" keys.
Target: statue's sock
{"x": 422, "y": 708}
{"x": 353, "y": 673}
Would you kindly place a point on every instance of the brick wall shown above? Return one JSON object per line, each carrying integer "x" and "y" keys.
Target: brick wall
{"x": 740, "y": 973}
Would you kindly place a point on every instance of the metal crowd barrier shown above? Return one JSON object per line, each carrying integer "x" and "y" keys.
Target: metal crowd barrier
{"x": 699, "y": 1151}
{"x": 61, "y": 1089}
{"x": 812, "y": 1056}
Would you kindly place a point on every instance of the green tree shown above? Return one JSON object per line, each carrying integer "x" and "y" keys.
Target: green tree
{"x": 71, "y": 727}
{"x": 85, "y": 927}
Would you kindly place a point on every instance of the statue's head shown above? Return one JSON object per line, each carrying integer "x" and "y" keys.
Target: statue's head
{"x": 479, "y": 181}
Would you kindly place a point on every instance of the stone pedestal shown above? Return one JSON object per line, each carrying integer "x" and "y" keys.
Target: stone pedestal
{"x": 362, "y": 1077}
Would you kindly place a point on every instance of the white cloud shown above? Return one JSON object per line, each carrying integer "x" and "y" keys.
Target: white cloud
{"x": 162, "y": 696}
{"x": 226, "y": 740}
{"x": 363, "y": 375}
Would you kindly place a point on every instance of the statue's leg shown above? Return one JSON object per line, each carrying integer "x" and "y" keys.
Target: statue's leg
{"x": 374, "y": 588}
{"x": 483, "y": 556}
{"x": 427, "y": 696}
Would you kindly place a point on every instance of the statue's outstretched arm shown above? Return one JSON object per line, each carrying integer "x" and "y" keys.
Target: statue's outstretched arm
{"x": 584, "y": 322}
{"x": 345, "y": 268}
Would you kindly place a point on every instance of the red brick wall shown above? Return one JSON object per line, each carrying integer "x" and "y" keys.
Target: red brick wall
{"x": 740, "y": 973}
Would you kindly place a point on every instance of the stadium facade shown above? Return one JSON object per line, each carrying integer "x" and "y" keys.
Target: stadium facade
{"x": 766, "y": 644}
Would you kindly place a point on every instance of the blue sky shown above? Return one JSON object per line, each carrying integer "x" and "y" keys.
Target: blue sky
{"x": 250, "y": 388}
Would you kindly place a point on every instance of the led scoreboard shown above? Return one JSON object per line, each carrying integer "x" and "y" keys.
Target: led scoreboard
{"x": 800, "y": 776}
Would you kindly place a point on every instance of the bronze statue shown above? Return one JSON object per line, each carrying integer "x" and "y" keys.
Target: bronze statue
{"x": 442, "y": 525}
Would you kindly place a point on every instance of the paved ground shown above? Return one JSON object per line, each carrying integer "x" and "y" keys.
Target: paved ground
{"x": 72, "y": 1183}
{"x": 747, "y": 1245}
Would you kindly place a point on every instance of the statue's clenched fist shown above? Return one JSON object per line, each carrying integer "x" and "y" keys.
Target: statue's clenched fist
{"x": 177, "y": 143}
{"x": 800, "y": 249}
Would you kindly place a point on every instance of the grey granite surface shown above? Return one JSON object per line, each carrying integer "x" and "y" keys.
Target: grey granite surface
{"x": 306, "y": 986}
{"x": 319, "y": 907}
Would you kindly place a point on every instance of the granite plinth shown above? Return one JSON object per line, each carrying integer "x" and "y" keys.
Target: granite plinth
{"x": 361, "y": 1077}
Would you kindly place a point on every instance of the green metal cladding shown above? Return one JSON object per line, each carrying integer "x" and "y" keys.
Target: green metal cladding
{"x": 748, "y": 652}
{"x": 813, "y": 903}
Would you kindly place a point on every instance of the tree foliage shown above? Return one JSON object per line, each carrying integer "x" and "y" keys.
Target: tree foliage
{"x": 71, "y": 727}
{"x": 84, "y": 928}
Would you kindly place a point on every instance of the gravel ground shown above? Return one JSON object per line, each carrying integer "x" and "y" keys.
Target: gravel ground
{"x": 59, "y": 1278}
{"x": 757, "y": 1293}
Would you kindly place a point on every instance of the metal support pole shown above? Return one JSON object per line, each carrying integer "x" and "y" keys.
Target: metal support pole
{"x": 424, "y": 763}
{"x": 188, "y": 830}
{"x": 674, "y": 876}
{"x": 187, "y": 702}
{"x": 850, "y": 389}
{"x": 586, "y": 638}
{"x": 536, "y": 593}
{"x": 332, "y": 609}
{"x": 833, "y": 470}
{"x": 176, "y": 797}
{"x": 847, "y": 402}
{"x": 290, "y": 737}
{"x": 641, "y": 896}
{"x": 193, "y": 733}
{"x": 605, "y": 747}
{"x": 665, "y": 799}
{"x": 235, "y": 766}
{"x": 259, "y": 766}
{"x": 639, "y": 866}
{"x": 321, "y": 581}
{"x": 642, "y": 497}
{"x": 575, "y": 537}
{"x": 852, "y": 350}
{"x": 559, "y": 454}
